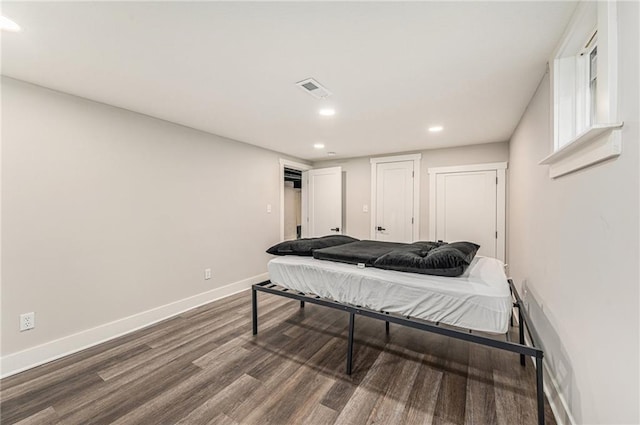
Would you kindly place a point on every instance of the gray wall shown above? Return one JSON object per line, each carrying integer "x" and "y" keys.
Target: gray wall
{"x": 107, "y": 213}
{"x": 574, "y": 245}
{"x": 357, "y": 173}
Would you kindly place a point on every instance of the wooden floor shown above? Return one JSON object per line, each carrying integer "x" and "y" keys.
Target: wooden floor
{"x": 205, "y": 367}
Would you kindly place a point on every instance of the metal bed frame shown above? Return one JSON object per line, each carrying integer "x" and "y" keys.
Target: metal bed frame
{"x": 520, "y": 347}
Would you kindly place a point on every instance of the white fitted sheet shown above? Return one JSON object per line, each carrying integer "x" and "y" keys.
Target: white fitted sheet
{"x": 479, "y": 299}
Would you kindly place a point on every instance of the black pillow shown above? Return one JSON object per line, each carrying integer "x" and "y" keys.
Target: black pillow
{"x": 421, "y": 247}
{"x": 443, "y": 260}
{"x": 305, "y": 247}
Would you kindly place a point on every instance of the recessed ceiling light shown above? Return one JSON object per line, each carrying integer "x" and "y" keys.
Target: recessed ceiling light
{"x": 8, "y": 25}
{"x": 331, "y": 153}
{"x": 327, "y": 112}
{"x": 436, "y": 128}
{"x": 319, "y": 146}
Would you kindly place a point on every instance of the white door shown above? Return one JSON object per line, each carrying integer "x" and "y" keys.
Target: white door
{"x": 324, "y": 201}
{"x": 394, "y": 201}
{"x": 466, "y": 209}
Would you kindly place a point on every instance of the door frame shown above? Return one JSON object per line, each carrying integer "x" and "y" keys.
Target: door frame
{"x": 501, "y": 172}
{"x": 295, "y": 166}
{"x": 416, "y": 190}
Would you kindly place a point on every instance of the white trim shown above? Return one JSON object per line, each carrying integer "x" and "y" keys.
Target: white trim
{"x": 501, "y": 214}
{"x": 608, "y": 56}
{"x": 416, "y": 200}
{"x": 598, "y": 143}
{"x": 296, "y": 166}
{"x": 432, "y": 202}
{"x": 557, "y": 402}
{"x": 501, "y": 204}
{"x": 569, "y": 101}
{"x": 416, "y": 190}
{"x": 304, "y": 207}
{"x": 396, "y": 158}
{"x": 466, "y": 168}
{"x": 31, "y": 357}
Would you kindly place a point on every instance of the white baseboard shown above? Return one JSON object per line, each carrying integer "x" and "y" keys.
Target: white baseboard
{"x": 557, "y": 402}
{"x": 31, "y": 357}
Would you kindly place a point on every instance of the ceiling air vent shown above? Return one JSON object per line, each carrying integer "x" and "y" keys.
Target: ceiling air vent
{"x": 314, "y": 88}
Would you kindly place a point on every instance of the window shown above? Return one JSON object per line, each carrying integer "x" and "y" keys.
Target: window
{"x": 593, "y": 83}
{"x": 584, "y": 90}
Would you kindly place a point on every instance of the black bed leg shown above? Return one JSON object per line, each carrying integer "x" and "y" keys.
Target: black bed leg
{"x": 521, "y": 332}
{"x": 301, "y": 304}
{"x": 254, "y": 310}
{"x": 352, "y": 318}
{"x": 386, "y": 325}
{"x": 540, "y": 390}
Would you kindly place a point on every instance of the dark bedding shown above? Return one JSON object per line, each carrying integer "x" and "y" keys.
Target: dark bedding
{"x": 361, "y": 252}
{"x": 305, "y": 247}
{"x": 434, "y": 258}
{"x": 425, "y": 257}
{"x": 449, "y": 260}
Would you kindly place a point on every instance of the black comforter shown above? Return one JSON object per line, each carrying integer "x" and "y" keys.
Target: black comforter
{"x": 425, "y": 257}
{"x": 361, "y": 252}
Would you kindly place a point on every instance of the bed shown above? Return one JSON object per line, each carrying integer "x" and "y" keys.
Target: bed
{"x": 480, "y": 299}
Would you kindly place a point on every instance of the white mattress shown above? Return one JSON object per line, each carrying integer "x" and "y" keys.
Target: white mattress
{"x": 479, "y": 299}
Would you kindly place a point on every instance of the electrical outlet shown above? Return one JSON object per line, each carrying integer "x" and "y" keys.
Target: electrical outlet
{"x": 207, "y": 274}
{"x": 27, "y": 321}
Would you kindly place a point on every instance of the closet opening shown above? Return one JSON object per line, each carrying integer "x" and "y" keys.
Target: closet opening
{"x": 292, "y": 204}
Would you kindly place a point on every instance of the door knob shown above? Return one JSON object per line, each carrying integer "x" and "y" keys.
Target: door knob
{"x": 380, "y": 229}
{"x": 335, "y": 229}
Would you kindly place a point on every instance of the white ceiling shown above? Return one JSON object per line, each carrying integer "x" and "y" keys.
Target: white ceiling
{"x": 229, "y": 68}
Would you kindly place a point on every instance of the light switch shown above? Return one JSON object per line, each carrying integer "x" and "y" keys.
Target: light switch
{"x": 269, "y": 208}
{"x": 365, "y": 208}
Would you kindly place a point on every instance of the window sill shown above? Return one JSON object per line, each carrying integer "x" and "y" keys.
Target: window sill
{"x": 598, "y": 143}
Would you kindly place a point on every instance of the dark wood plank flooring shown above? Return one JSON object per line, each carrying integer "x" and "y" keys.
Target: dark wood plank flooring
{"x": 205, "y": 367}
